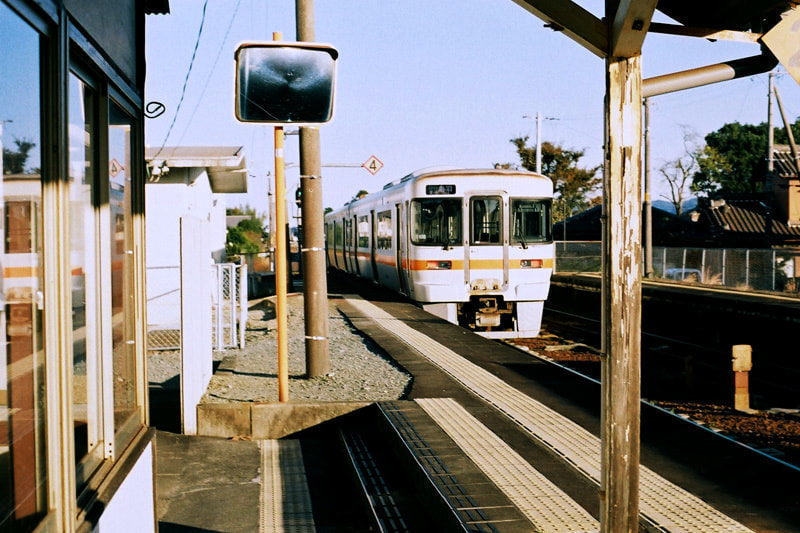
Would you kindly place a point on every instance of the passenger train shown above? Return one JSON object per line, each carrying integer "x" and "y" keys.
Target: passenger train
{"x": 474, "y": 247}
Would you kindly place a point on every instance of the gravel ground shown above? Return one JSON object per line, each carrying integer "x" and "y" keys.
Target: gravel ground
{"x": 360, "y": 371}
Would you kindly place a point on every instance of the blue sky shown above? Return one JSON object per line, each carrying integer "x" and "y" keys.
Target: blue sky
{"x": 423, "y": 83}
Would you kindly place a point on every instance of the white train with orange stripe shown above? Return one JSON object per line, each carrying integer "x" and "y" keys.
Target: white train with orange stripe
{"x": 474, "y": 247}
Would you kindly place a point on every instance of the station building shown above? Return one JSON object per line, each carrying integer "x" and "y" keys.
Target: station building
{"x": 76, "y": 452}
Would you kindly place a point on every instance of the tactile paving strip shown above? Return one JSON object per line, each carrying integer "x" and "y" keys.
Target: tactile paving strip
{"x": 665, "y": 506}
{"x": 285, "y": 500}
{"x": 544, "y": 504}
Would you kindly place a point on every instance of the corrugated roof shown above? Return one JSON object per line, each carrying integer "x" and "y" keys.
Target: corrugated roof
{"x": 747, "y": 216}
{"x": 784, "y": 161}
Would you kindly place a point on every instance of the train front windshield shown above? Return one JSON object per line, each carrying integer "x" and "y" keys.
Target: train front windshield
{"x": 436, "y": 221}
{"x": 530, "y": 221}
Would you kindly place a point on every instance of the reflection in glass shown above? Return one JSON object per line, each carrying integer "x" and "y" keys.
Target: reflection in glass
{"x": 85, "y": 311}
{"x": 122, "y": 294}
{"x": 23, "y": 468}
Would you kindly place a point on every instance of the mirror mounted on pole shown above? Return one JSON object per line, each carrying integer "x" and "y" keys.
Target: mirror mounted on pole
{"x": 281, "y": 82}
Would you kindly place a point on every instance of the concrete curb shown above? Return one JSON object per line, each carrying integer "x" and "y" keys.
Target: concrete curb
{"x": 267, "y": 420}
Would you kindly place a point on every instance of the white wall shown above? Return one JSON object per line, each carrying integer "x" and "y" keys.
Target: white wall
{"x": 132, "y": 508}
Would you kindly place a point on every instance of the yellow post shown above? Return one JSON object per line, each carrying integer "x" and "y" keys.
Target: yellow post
{"x": 742, "y": 365}
{"x": 281, "y": 277}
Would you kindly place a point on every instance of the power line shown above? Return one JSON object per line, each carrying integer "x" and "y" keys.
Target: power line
{"x": 185, "y": 80}
{"x": 211, "y": 73}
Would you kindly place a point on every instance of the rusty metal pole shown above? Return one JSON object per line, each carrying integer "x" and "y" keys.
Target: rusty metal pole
{"x": 281, "y": 276}
{"x": 315, "y": 283}
{"x": 621, "y": 296}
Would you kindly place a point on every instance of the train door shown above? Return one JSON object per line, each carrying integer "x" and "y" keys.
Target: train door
{"x": 355, "y": 241}
{"x": 487, "y": 264}
{"x": 373, "y": 244}
{"x": 402, "y": 248}
{"x": 348, "y": 245}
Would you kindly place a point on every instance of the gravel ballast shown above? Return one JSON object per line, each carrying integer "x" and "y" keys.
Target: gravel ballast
{"x": 360, "y": 371}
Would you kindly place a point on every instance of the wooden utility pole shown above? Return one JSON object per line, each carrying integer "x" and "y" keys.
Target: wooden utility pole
{"x": 315, "y": 283}
{"x": 621, "y": 295}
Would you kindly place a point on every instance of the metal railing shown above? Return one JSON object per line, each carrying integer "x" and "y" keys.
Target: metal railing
{"x": 229, "y": 301}
{"x": 775, "y": 270}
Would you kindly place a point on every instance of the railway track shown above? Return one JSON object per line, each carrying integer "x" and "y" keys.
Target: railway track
{"x": 690, "y": 380}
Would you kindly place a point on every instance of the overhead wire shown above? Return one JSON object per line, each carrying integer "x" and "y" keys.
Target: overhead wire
{"x": 185, "y": 80}
{"x": 211, "y": 72}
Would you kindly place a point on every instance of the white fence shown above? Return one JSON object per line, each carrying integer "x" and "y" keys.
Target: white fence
{"x": 228, "y": 306}
{"x": 775, "y": 270}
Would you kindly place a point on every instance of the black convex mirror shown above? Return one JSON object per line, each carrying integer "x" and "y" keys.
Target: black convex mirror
{"x": 285, "y": 82}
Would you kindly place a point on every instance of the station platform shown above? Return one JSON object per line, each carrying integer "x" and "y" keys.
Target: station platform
{"x": 497, "y": 450}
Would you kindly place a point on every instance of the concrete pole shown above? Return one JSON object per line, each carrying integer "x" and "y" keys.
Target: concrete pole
{"x": 621, "y": 296}
{"x": 539, "y": 144}
{"x": 770, "y": 135}
{"x": 648, "y": 204}
{"x": 315, "y": 283}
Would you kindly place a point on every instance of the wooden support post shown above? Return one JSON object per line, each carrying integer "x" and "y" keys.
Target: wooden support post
{"x": 621, "y": 296}
{"x": 742, "y": 364}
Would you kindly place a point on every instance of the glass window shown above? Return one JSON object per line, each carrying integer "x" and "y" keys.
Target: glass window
{"x": 86, "y": 315}
{"x": 122, "y": 293}
{"x": 384, "y": 230}
{"x": 23, "y": 461}
{"x": 363, "y": 232}
{"x": 436, "y": 221}
{"x": 487, "y": 216}
{"x": 530, "y": 221}
{"x": 337, "y": 230}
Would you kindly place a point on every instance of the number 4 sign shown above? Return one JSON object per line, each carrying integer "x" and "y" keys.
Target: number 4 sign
{"x": 373, "y": 165}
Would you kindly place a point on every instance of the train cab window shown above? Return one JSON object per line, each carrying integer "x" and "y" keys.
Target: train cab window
{"x": 384, "y": 232}
{"x": 486, "y": 214}
{"x": 23, "y": 387}
{"x": 436, "y": 221}
{"x": 530, "y": 221}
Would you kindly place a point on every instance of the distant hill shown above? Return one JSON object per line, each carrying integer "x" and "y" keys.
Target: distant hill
{"x": 664, "y": 205}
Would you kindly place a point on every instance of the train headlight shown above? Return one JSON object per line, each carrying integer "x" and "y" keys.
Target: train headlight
{"x": 530, "y": 263}
{"x": 439, "y": 265}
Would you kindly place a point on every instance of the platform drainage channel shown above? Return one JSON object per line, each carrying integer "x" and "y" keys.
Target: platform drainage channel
{"x": 663, "y": 505}
{"x": 285, "y": 500}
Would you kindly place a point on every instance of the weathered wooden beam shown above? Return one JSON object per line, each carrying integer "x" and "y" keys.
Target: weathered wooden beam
{"x": 711, "y": 34}
{"x": 630, "y": 25}
{"x": 621, "y": 296}
{"x": 573, "y": 20}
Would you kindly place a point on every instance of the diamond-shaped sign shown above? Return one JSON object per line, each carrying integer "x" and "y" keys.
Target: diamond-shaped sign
{"x": 114, "y": 168}
{"x": 373, "y": 165}
{"x": 782, "y": 40}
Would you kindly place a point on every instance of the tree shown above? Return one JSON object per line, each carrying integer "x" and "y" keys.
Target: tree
{"x": 678, "y": 173}
{"x": 249, "y": 235}
{"x": 734, "y": 158}
{"x": 14, "y": 161}
{"x": 572, "y": 184}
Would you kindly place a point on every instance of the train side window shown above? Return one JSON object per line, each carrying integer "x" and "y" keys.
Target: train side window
{"x": 363, "y": 232}
{"x": 487, "y": 214}
{"x": 338, "y": 235}
{"x": 530, "y": 221}
{"x": 384, "y": 241}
